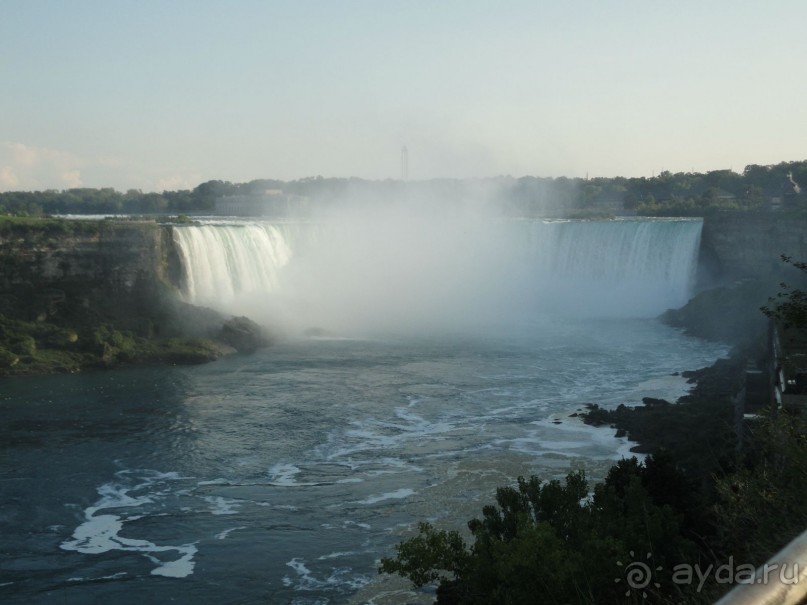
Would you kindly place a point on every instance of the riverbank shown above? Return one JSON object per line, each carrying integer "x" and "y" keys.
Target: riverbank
{"x": 31, "y": 347}
{"x": 697, "y": 431}
{"x": 36, "y": 348}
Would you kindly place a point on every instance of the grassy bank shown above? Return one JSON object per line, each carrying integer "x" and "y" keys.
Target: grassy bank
{"x": 30, "y": 347}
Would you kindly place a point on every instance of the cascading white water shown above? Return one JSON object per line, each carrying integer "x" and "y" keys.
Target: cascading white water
{"x": 222, "y": 262}
{"x": 425, "y": 273}
{"x": 616, "y": 268}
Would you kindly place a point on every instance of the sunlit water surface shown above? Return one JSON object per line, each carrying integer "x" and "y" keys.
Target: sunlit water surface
{"x": 283, "y": 476}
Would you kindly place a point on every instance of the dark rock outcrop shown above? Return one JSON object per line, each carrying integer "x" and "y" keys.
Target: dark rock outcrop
{"x": 244, "y": 335}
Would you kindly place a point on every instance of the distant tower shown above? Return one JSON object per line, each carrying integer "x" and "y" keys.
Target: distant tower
{"x": 404, "y": 164}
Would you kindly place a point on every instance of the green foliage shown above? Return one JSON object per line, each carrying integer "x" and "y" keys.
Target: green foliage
{"x": 668, "y": 194}
{"x": 553, "y": 542}
{"x": 113, "y": 345}
{"x": 761, "y": 505}
{"x": 8, "y": 359}
{"x": 430, "y": 556}
{"x": 790, "y": 305}
{"x": 30, "y": 226}
{"x": 41, "y": 347}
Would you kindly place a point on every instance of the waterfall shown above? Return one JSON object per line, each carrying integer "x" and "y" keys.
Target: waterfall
{"x": 222, "y": 262}
{"x": 636, "y": 267}
{"x": 437, "y": 271}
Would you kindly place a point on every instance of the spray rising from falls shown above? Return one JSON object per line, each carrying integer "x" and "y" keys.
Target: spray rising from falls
{"x": 414, "y": 273}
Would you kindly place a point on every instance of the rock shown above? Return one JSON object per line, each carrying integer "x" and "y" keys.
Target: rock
{"x": 650, "y": 401}
{"x": 244, "y": 335}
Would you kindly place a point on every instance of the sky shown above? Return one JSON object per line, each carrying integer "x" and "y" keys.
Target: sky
{"x": 165, "y": 94}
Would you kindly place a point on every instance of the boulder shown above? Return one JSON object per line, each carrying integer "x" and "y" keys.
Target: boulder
{"x": 244, "y": 335}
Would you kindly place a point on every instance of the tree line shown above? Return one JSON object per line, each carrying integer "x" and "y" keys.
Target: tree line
{"x": 667, "y": 194}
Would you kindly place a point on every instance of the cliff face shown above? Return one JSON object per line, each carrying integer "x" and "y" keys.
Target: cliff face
{"x": 108, "y": 254}
{"x": 44, "y": 262}
{"x": 96, "y": 294}
{"x": 750, "y": 245}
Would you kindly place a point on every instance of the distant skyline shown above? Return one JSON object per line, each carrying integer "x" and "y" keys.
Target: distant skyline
{"x": 158, "y": 94}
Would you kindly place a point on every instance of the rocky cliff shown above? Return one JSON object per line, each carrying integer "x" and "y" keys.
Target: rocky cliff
{"x": 740, "y": 270}
{"x": 83, "y": 257}
{"x": 80, "y": 294}
{"x": 747, "y": 244}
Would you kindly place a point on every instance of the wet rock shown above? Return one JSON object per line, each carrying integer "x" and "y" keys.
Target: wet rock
{"x": 244, "y": 335}
{"x": 651, "y": 401}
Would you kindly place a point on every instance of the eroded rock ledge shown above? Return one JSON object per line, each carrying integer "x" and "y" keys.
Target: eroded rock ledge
{"x": 84, "y": 294}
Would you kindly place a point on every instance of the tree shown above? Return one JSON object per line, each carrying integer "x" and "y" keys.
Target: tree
{"x": 553, "y": 542}
{"x": 789, "y": 306}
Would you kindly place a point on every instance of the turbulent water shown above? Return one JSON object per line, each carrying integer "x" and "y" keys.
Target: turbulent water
{"x": 283, "y": 476}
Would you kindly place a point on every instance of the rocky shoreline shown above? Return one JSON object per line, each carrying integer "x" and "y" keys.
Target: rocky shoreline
{"x": 699, "y": 430}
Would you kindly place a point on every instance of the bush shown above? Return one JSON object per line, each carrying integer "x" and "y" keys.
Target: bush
{"x": 8, "y": 359}
{"x": 553, "y": 542}
{"x": 24, "y": 345}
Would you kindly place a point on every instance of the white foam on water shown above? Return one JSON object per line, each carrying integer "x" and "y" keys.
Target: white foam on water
{"x": 398, "y": 494}
{"x": 341, "y": 578}
{"x": 670, "y": 388}
{"x": 602, "y": 437}
{"x": 222, "y": 535}
{"x": 373, "y": 435}
{"x": 114, "y": 576}
{"x": 283, "y": 474}
{"x": 222, "y": 506}
{"x": 337, "y": 554}
{"x": 100, "y": 533}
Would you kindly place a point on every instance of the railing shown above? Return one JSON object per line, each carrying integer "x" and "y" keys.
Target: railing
{"x": 781, "y": 581}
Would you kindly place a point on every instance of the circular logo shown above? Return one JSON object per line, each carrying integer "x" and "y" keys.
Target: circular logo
{"x": 638, "y": 575}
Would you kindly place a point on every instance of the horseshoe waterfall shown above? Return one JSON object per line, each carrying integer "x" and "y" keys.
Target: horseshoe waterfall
{"x": 421, "y": 273}
{"x": 419, "y": 365}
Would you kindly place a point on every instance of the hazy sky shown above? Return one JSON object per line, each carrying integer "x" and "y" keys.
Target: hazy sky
{"x": 166, "y": 94}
